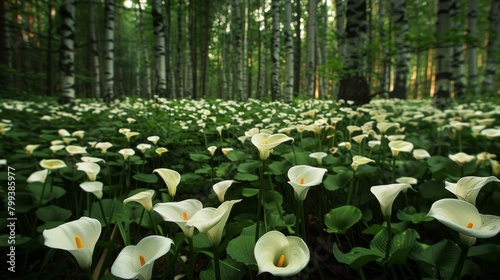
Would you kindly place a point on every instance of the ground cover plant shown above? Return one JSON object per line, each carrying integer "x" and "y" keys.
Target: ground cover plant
{"x": 214, "y": 189}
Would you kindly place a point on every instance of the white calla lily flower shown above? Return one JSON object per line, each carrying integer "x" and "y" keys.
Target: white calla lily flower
{"x": 179, "y": 213}
{"x": 74, "y": 150}
{"x": 145, "y": 198}
{"x": 265, "y": 142}
{"x": 221, "y": 188}
{"x": 94, "y": 187}
{"x": 77, "y": 237}
{"x": 398, "y": 146}
{"x": 302, "y": 177}
{"x": 52, "y": 164}
{"x": 38, "y": 176}
{"x": 386, "y": 194}
{"x": 171, "y": 178}
{"x": 90, "y": 168}
{"x": 359, "y": 160}
{"x": 467, "y": 188}
{"x": 280, "y": 255}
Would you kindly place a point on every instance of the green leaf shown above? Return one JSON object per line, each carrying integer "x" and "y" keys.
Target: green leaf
{"x": 113, "y": 210}
{"x": 340, "y": 219}
{"x": 441, "y": 256}
{"x": 248, "y": 167}
{"x": 357, "y": 257}
{"x": 249, "y": 192}
{"x": 229, "y": 269}
{"x": 272, "y": 200}
{"x": 241, "y": 249}
{"x": 279, "y": 167}
{"x": 198, "y": 157}
{"x": 147, "y": 178}
{"x": 53, "y": 213}
{"x": 337, "y": 181}
{"x": 246, "y": 177}
{"x": 412, "y": 216}
{"x": 237, "y": 156}
{"x": 50, "y": 192}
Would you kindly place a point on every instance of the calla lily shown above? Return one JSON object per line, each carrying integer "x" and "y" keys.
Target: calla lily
{"x": 73, "y": 150}
{"x": 467, "y": 188}
{"x": 212, "y": 221}
{"x": 154, "y": 139}
{"x": 52, "y": 164}
{"x": 143, "y": 147}
{"x": 420, "y": 154}
{"x": 398, "y": 146}
{"x": 280, "y": 255}
{"x": 130, "y": 134}
{"x": 68, "y": 140}
{"x": 226, "y": 151}
{"x": 94, "y": 187}
{"x": 464, "y": 217}
{"x": 30, "y": 148}
{"x": 161, "y": 150}
{"x": 302, "y": 177}
{"x": 221, "y": 188}
{"x": 55, "y": 148}
{"x": 359, "y": 138}
{"x": 91, "y": 159}
{"x": 384, "y": 126}
{"x": 90, "y": 168}
{"x": 359, "y": 160}
{"x": 265, "y": 142}
{"x": 63, "y": 133}
{"x": 212, "y": 150}
{"x": 461, "y": 158}
{"x": 318, "y": 156}
{"x": 104, "y": 146}
{"x": 491, "y": 132}
{"x": 407, "y": 180}
{"x": 171, "y": 178}
{"x": 38, "y": 176}
{"x": 386, "y": 194}
{"x": 179, "y": 213}
{"x": 77, "y": 237}
{"x": 137, "y": 261}
{"x": 126, "y": 153}
{"x": 145, "y": 198}
{"x": 78, "y": 133}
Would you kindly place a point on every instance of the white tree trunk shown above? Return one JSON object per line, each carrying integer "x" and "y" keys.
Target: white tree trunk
{"x": 109, "y": 71}
{"x": 67, "y": 51}
{"x": 457, "y": 61}
{"x": 159, "y": 32}
{"x": 239, "y": 49}
{"x": 188, "y": 52}
{"x": 289, "y": 53}
{"x": 310, "y": 55}
{"x": 443, "y": 57}
{"x": 472, "y": 80}
{"x": 146, "y": 82}
{"x": 95, "y": 51}
{"x": 180, "y": 84}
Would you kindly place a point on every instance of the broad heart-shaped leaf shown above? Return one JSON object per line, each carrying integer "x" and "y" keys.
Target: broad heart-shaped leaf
{"x": 199, "y": 157}
{"x": 113, "y": 210}
{"x": 489, "y": 252}
{"x": 401, "y": 244}
{"x": 147, "y": 178}
{"x": 229, "y": 269}
{"x": 279, "y": 167}
{"x": 437, "y": 260}
{"x": 438, "y": 163}
{"x": 53, "y": 213}
{"x": 50, "y": 192}
{"x": 237, "y": 156}
{"x": 357, "y": 257}
{"x": 410, "y": 214}
{"x": 248, "y": 192}
{"x": 248, "y": 167}
{"x": 337, "y": 181}
{"x": 246, "y": 177}
{"x": 241, "y": 249}
{"x": 340, "y": 219}
{"x": 272, "y": 200}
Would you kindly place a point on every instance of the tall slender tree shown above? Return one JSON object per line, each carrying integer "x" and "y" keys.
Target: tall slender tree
{"x": 457, "y": 60}
{"x": 493, "y": 48}
{"x": 297, "y": 49}
{"x": 400, "y": 20}
{"x": 146, "y": 82}
{"x": 237, "y": 27}
{"x": 109, "y": 72}
{"x": 180, "y": 85}
{"x": 96, "y": 69}
{"x": 353, "y": 84}
{"x": 311, "y": 46}
{"x": 67, "y": 52}
{"x": 442, "y": 94}
{"x": 472, "y": 43}
{"x": 160, "y": 61}
{"x": 289, "y": 52}
{"x": 385, "y": 60}
{"x": 275, "y": 51}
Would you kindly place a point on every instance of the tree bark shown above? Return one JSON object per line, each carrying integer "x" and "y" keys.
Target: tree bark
{"x": 472, "y": 39}
{"x": 67, "y": 52}
{"x": 442, "y": 94}
{"x": 109, "y": 71}
{"x": 310, "y": 57}
{"x": 297, "y": 50}
{"x": 400, "y": 21}
{"x": 275, "y": 51}
{"x": 159, "y": 33}
{"x": 289, "y": 53}
{"x": 492, "y": 50}
{"x": 239, "y": 50}
{"x": 95, "y": 51}
{"x": 457, "y": 61}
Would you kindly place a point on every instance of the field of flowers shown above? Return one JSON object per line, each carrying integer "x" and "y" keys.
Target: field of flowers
{"x": 213, "y": 189}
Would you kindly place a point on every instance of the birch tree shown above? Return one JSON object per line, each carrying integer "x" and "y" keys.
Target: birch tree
{"x": 311, "y": 46}
{"x": 400, "y": 21}
{"x": 297, "y": 49}
{"x": 472, "y": 41}
{"x": 109, "y": 70}
{"x": 67, "y": 52}
{"x": 289, "y": 52}
{"x": 275, "y": 51}
{"x": 353, "y": 85}
{"x": 443, "y": 57}
{"x": 159, "y": 33}
{"x": 147, "y": 69}
{"x": 493, "y": 48}
{"x": 95, "y": 50}
{"x": 457, "y": 61}
{"x": 237, "y": 28}
{"x": 384, "y": 77}
{"x": 180, "y": 84}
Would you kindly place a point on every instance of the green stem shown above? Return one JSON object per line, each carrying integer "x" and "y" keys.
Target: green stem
{"x": 43, "y": 189}
{"x": 460, "y": 263}
{"x": 351, "y": 188}
{"x": 388, "y": 247}
{"x": 191, "y": 259}
{"x": 102, "y": 212}
{"x": 153, "y": 222}
{"x": 216, "y": 262}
